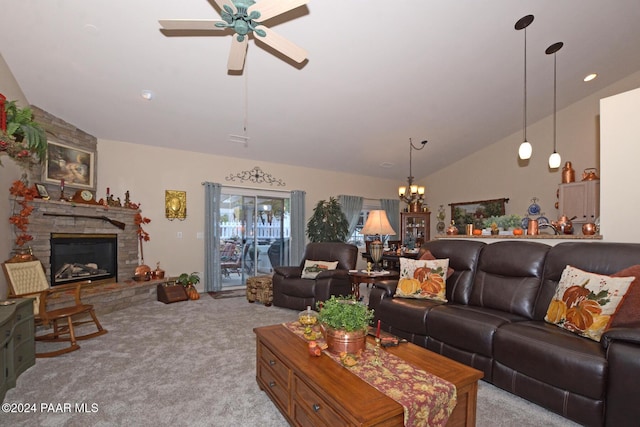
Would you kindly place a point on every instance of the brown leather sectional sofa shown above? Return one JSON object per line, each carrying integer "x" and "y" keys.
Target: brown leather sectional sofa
{"x": 494, "y": 321}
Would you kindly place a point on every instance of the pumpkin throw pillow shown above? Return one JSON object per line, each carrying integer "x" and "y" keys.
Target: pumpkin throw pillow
{"x": 584, "y": 302}
{"x": 425, "y": 279}
{"x": 628, "y": 313}
{"x": 429, "y": 256}
{"x": 312, "y": 268}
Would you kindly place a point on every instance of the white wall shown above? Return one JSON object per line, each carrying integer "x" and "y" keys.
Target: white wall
{"x": 620, "y": 195}
{"x": 496, "y": 171}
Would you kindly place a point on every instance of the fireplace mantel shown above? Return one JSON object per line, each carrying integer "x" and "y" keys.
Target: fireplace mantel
{"x": 41, "y": 226}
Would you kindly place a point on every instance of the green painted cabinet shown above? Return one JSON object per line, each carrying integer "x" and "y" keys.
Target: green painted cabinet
{"x": 17, "y": 342}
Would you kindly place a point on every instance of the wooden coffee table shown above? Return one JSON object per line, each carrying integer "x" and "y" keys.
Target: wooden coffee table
{"x": 318, "y": 391}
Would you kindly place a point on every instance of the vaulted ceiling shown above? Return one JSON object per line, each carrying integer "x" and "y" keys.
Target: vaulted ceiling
{"x": 378, "y": 73}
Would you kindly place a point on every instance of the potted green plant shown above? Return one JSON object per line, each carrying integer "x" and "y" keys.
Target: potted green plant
{"x": 328, "y": 223}
{"x": 25, "y": 132}
{"x": 186, "y": 279}
{"x": 345, "y": 323}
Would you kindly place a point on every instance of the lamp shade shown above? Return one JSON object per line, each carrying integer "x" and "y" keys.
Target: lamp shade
{"x": 377, "y": 223}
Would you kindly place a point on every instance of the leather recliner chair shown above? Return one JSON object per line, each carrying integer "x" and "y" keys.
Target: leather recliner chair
{"x": 290, "y": 290}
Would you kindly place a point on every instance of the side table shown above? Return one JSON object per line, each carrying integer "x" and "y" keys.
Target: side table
{"x": 358, "y": 277}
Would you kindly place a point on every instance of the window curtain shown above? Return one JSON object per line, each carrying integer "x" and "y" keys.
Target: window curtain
{"x": 392, "y": 209}
{"x": 351, "y": 206}
{"x": 212, "y": 269}
{"x": 297, "y": 226}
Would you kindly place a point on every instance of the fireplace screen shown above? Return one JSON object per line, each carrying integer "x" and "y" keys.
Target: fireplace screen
{"x": 76, "y": 257}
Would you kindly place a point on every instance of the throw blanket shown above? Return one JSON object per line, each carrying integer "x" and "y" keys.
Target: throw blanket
{"x": 427, "y": 399}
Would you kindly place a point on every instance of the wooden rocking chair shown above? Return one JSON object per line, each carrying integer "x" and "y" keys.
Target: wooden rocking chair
{"x": 28, "y": 279}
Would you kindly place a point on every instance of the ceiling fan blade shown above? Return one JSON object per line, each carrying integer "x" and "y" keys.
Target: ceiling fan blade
{"x": 282, "y": 45}
{"x": 270, "y": 8}
{"x": 237, "y": 54}
{"x": 221, "y": 4}
{"x": 189, "y": 24}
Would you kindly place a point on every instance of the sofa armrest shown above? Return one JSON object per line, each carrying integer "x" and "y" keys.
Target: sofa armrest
{"x": 381, "y": 290}
{"x": 387, "y": 286}
{"x": 622, "y": 395}
{"x": 631, "y": 335}
{"x": 288, "y": 271}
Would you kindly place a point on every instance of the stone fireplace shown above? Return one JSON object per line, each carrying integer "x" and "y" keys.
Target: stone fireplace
{"x": 89, "y": 224}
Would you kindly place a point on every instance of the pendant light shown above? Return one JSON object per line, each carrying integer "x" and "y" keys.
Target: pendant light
{"x": 554, "y": 158}
{"x": 525, "y": 150}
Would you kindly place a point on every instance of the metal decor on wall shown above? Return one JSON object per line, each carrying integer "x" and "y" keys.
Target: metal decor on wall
{"x": 257, "y": 176}
{"x": 175, "y": 204}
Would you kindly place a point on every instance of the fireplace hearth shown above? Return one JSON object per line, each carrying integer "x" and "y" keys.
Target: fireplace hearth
{"x": 76, "y": 257}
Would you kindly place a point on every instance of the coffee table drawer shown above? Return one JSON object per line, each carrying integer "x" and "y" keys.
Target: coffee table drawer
{"x": 311, "y": 409}
{"x": 274, "y": 386}
{"x": 268, "y": 358}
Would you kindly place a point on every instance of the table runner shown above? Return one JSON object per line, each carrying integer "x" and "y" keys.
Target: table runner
{"x": 427, "y": 399}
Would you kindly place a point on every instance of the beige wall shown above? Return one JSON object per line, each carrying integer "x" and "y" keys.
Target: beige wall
{"x": 620, "y": 196}
{"x": 496, "y": 171}
{"x": 147, "y": 172}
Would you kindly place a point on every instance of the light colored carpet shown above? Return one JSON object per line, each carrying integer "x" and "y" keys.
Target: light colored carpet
{"x": 186, "y": 364}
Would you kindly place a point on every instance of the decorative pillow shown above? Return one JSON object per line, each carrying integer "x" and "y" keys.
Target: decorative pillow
{"x": 429, "y": 256}
{"x": 312, "y": 268}
{"x": 584, "y": 302}
{"x": 422, "y": 279}
{"x": 629, "y": 309}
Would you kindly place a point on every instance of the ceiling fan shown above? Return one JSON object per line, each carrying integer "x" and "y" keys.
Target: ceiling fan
{"x": 244, "y": 17}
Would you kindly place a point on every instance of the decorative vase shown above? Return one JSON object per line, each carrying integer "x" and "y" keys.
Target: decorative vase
{"x": 339, "y": 341}
{"x": 22, "y": 253}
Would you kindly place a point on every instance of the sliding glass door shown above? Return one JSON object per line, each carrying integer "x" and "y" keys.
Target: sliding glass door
{"x": 254, "y": 233}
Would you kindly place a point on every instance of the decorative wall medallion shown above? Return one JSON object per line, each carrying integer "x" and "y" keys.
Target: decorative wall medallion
{"x": 175, "y": 204}
{"x": 256, "y": 175}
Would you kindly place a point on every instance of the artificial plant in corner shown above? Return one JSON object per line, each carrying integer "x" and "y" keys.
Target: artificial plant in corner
{"x": 328, "y": 223}
{"x": 23, "y": 139}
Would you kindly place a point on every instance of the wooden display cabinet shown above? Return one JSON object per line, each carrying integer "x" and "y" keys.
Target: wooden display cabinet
{"x": 417, "y": 225}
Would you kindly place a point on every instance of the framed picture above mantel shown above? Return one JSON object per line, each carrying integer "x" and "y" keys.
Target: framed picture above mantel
{"x": 74, "y": 164}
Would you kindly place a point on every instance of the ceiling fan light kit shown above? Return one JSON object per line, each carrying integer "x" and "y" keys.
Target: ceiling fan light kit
{"x": 241, "y": 16}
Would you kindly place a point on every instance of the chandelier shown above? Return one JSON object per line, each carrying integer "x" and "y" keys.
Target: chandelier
{"x": 415, "y": 195}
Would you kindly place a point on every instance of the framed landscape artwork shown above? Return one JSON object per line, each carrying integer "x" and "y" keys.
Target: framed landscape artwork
{"x": 469, "y": 212}
{"x": 75, "y": 165}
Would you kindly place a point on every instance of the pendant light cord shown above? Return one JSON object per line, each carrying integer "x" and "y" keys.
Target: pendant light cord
{"x": 525, "y": 86}
{"x": 555, "y": 80}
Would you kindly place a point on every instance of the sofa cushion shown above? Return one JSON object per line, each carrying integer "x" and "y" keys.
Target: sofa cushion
{"x": 422, "y": 279}
{"x": 584, "y": 302}
{"x": 468, "y": 328}
{"x": 311, "y": 268}
{"x": 509, "y": 276}
{"x": 553, "y": 356}
{"x": 628, "y": 313}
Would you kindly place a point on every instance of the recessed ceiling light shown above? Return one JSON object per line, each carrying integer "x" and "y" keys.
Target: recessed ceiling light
{"x": 147, "y": 94}
{"x": 590, "y": 77}
{"x": 386, "y": 165}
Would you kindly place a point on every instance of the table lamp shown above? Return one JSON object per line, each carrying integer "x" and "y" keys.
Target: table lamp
{"x": 377, "y": 224}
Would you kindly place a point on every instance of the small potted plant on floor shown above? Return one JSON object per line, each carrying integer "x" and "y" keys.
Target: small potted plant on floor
{"x": 345, "y": 323}
{"x": 188, "y": 281}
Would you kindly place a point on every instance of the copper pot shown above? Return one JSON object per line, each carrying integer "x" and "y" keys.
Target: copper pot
{"x": 452, "y": 229}
{"x": 590, "y": 174}
{"x": 589, "y": 229}
{"x": 564, "y": 224}
{"x": 532, "y": 227}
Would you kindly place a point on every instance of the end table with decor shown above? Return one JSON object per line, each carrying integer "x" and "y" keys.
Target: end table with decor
{"x": 362, "y": 276}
